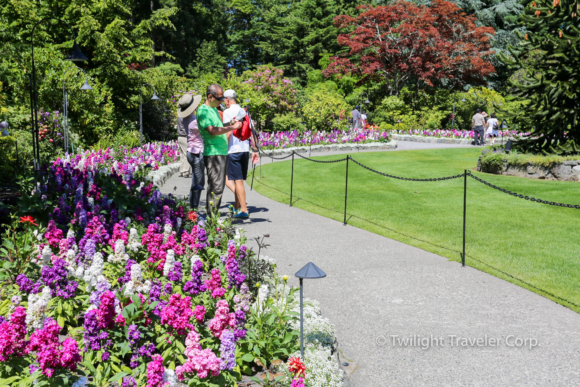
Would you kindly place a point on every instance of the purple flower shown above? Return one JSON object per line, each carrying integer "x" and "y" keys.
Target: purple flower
{"x": 228, "y": 350}
{"x": 134, "y": 335}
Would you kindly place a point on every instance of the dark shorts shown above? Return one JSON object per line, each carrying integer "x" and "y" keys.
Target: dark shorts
{"x": 238, "y": 165}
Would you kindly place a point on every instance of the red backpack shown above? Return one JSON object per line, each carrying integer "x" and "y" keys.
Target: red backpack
{"x": 246, "y": 131}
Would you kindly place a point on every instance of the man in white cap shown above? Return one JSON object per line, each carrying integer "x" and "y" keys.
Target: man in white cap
{"x": 238, "y": 158}
{"x": 187, "y": 123}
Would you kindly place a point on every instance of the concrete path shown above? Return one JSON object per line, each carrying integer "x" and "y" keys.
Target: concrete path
{"x": 407, "y": 317}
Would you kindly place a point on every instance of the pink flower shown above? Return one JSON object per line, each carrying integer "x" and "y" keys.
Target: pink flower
{"x": 106, "y": 312}
{"x": 177, "y": 313}
{"x": 199, "y": 313}
{"x": 155, "y": 372}
{"x": 13, "y": 334}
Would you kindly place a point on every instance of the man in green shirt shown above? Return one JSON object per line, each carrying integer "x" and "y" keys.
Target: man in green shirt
{"x": 215, "y": 142}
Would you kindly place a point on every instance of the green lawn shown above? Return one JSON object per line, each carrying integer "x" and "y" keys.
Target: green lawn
{"x": 532, "y": 245}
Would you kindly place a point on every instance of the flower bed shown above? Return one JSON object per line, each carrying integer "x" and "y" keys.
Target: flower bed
{"x": 118, "y": 285}
{"x": 449, "y": 133}
{"x": 281, "y": 140}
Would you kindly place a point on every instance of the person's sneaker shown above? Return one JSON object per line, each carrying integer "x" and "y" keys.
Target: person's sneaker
{"x": 242, "y": 215}
{"x": 233, "y": 209}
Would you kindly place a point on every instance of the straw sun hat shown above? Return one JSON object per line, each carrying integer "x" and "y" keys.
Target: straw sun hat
{"x": 187, "y": 105}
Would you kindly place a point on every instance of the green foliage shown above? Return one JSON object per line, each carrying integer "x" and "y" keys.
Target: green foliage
{"x": 287, "y": 122}
{"x": 324, "y": 107}
{"x": 494, "y": 160}
{"x": 549, "y": 58}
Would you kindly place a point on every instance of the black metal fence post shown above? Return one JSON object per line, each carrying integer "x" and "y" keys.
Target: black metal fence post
{"x": 292, "y": 179}
{"x": 346, "y": 189}
{"x": 464, "y": 214}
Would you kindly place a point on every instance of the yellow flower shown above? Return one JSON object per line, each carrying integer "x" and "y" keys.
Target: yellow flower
{"x": 285, "y": 278}
{"x": 258, "y": 285}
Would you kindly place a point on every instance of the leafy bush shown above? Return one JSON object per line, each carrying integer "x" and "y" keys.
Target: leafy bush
{"x": 324, "y": 110}
{"x": 287, "y": 122}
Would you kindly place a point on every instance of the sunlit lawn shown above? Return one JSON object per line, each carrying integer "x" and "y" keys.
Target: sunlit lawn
{"x": 536, "y": 244}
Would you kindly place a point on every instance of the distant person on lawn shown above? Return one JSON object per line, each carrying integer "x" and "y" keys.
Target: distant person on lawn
{"x": 215, "y": 143}
{"x": 187, "y": 119}
{"x": 492, "y": 128}
{"x": 356, "y": 117}
{"x": 478, "y": 122}
{"x": 238, "y": 158}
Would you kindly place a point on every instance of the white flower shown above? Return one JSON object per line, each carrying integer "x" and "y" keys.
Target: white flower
{"x": 91, "y": 202}
{"x": 167, "y": 232}
{"x": 136, "y": 283}
{"x": 169, "y": 262}
{"x": 133, "y": 241}
{"x": 127, "y": 221}
{"x": 37, "y": 305}
{"x": 194, "y": 259}
{"x": 323, "y": 369}
{"x": 179, "y": 223}
{"x": 39, "y": 236}
{"x": 95, "y": 272}
{"x": 169, "y": 377}
{"x": 46, "y": 254}
{"x": 120, "y": 255}
{"x": 70, "y": 233}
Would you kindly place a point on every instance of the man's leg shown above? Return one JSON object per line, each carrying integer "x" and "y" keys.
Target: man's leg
{"x": 232, "y": 186}
{"x": 216, "y": 179}
{"x": 241, "y": 195}
{"x": 184, "y": 166}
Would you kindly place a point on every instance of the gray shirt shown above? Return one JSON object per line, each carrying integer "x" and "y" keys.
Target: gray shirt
{"x": 478, "y": 120}
{"x": 355, "y": 115}
{"x": 182, "y": 129}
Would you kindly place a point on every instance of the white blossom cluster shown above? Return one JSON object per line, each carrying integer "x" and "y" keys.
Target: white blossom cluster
{"x": 133, "y": 242}
{"x": 322, "y": 368}
{"x": 167, "y": 229}
{"x": 136, "y": 284}
{"x": 37, "y": 305}
{"x": 70, "y": 235}
{"x": 94, "y": 273}
{"x": 318, "y": 331}
{"x": 169, "y": 378}
{"x": 120, "y": 255}
{"x": 169, "y": 262}
{"x": 73, "y": 270}
{"x": 46, "y": 255}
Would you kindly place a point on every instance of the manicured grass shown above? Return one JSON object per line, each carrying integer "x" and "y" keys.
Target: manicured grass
{"x": 532, "y": 245}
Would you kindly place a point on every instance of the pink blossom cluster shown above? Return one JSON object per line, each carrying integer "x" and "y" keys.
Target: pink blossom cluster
{"x": 190, "y": 239}
{"x": 277, "y": 140}
{"x": 46, "y": 344}
{"x": 154, "y": 241}
{"x": 177, "y": 313}
{"x": 201, "y": 362}
{"x": 119, "y": 232}
{"x": 53, "y": 234}
{"x": 155, "y": 372}
{"x": 199, "y": 313}
{"x": 222, "y": 319}
{"x": 106, "y": 313}
{"x": 13, "y": 334}
{"x": 214, "y": 284}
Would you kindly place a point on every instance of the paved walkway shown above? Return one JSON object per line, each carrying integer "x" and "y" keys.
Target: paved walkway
{"x": 378, "y": 288}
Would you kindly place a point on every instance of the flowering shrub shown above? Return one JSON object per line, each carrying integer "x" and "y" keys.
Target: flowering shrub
{"x": 121, "y": 284}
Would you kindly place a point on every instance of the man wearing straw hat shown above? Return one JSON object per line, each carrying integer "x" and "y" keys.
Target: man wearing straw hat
{"x": 187, "y": 122}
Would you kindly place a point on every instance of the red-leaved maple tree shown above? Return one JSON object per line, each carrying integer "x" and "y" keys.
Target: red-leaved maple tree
{"x": 437, "y": 44}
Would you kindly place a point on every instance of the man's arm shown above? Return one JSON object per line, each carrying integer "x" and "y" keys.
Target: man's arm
{"x": 216, "y": 130}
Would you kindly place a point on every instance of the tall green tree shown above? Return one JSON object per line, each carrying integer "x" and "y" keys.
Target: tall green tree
{"x": 549, "y": 57}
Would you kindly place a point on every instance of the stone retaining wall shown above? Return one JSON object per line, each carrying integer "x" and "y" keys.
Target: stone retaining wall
{"x": 333, "y": 147}
{"x": 567, "y": 171}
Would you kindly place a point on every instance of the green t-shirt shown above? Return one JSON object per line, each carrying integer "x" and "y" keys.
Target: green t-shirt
{"x": 213, "y": 145}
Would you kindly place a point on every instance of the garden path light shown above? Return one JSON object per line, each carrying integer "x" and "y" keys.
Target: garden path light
{"x": 310, "y": 271}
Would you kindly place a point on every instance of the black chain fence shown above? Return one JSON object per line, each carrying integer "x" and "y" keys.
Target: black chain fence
{"x": 464, "y": 175}
{"x": 575, "y": 206}
{"x": 406, "y": 178}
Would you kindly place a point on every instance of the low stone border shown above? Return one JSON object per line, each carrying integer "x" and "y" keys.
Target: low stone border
{"x": 441, "y": 140}
{"x": 331, "y": 147}
{"x": 160, "y": 176}
{"x": 567, "y": 171}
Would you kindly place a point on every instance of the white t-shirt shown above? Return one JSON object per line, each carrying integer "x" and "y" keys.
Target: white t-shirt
{"x": 235, "y": 145}
{"x": 490, "y": 124}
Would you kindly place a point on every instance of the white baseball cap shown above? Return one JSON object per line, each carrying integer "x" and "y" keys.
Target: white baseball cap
{"x": 230, "y": 94}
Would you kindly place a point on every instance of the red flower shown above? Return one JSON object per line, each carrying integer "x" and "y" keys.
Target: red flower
{"x": 28, "y": 219}
{"x": 296, "y": 367}
{"x": 192, "y": 216}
